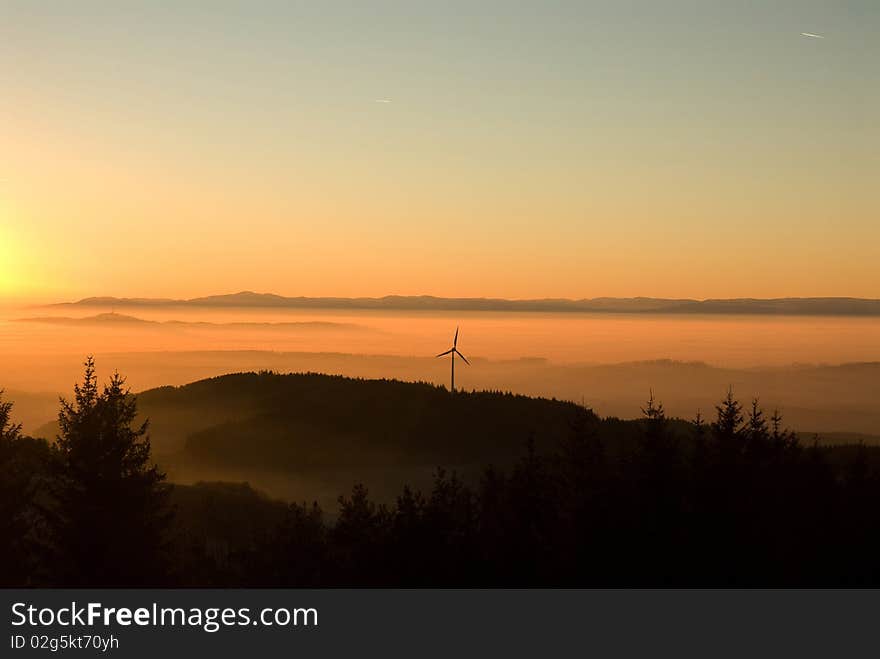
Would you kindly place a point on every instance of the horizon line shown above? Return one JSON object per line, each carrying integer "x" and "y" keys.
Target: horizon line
{"x": 824, "y": 305}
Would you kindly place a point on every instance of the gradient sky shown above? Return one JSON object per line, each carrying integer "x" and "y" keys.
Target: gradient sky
{"x": 650, "y": 147}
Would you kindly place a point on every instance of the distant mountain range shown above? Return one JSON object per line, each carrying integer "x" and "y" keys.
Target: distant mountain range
{"x": 822, "y": 306}
{"x": 117, "y": 319}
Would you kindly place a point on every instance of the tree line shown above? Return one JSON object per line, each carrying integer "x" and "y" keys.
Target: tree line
{"x": 736, "y": 499}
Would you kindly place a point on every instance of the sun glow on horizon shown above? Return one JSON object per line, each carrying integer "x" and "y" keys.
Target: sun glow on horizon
{"x": 569, "y": 152}
{"x": 13, "y": 282}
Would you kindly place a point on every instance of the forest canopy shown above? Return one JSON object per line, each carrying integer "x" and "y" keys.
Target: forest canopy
{"x": 563, "y": 497}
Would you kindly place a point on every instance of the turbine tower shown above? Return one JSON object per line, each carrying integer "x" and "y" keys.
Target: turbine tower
{"x": 454, "y": 351}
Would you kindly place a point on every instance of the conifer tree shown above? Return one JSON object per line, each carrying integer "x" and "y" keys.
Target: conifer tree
{"x": 756, "y": 425}
{"x": 659, "y": 445}
{"x": 110, "y": 512}
{"x": 16, "y": 492}
{"x": 655, "y": 418}
{"x": 728, "y": 423}
{"x": 9, "y": 431}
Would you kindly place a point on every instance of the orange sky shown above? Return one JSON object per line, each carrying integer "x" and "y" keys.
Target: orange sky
{"x": 570, "y": 152}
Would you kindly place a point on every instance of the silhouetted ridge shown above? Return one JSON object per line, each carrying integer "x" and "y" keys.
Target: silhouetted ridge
{"x": 307, "y": 421}
{"x": 834, "y": 306}
{"x": 731, "y": 498}
{"x": 117, "y": 319}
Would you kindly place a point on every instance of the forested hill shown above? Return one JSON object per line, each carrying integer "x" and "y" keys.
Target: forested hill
{"x": 297, "y": 421}
{"x": 310, "y": 436}
{"x": 545, "y": 492}
{"x": 272, "y": 429}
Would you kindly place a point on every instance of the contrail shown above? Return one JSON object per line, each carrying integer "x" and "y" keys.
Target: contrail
{"x": 383, "y": 100}
{"x": 811, "y": 35}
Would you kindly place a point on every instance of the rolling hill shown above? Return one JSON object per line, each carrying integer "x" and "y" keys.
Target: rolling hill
{"x": 310, "y": 436}
{"x": 297, "y": 435}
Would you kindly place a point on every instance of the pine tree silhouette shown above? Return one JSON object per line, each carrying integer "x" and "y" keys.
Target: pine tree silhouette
{"x": 9, "y": 431}
{"x": 110, "y": 513}
{"x": 16, "y": 495}
{"x": 728, "y": 424}
{"x": 756, "y": 425}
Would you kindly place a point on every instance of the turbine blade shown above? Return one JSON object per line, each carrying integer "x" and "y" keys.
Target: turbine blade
{"x": 462, "y": 356}
{"x": 446, "y": 353}
{"x": 455, "y": 340}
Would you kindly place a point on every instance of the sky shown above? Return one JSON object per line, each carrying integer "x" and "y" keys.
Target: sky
{"x": 513, "y": 149}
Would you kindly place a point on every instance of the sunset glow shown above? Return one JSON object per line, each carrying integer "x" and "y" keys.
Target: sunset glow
{"x": 9, "y": 283}
{"x": 576, "y": 151}
{"x": 549, "y": 296}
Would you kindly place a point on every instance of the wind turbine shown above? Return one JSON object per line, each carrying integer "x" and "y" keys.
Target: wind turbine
{"x": 454, "y": 351}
